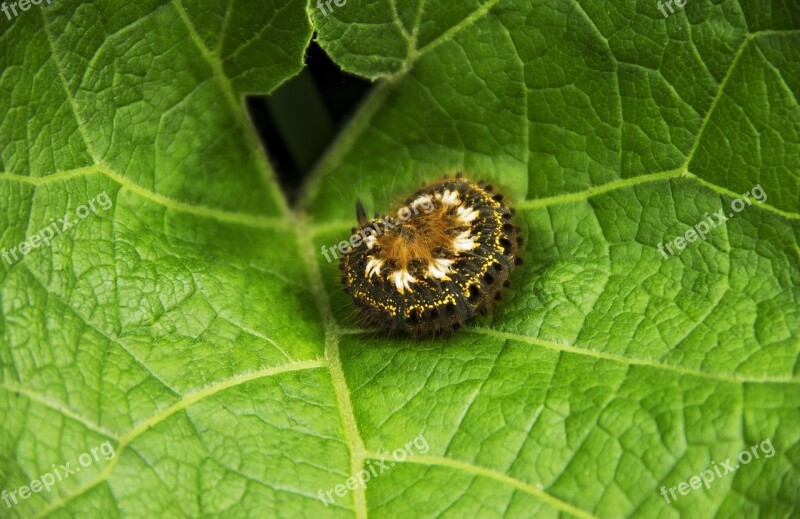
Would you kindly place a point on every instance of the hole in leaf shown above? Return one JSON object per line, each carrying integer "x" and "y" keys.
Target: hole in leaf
{"x": 299, "y": 120}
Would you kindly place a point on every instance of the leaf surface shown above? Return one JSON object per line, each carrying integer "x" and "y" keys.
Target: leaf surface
{"x": 195, "y": 325}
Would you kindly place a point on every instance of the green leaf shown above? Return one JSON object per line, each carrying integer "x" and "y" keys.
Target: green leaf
{"x": 193, "y": 324}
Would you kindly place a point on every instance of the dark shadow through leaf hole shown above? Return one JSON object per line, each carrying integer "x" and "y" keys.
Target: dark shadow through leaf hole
{"x": 299, "y": 120}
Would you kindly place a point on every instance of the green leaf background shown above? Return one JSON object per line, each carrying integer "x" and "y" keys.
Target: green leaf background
{"x": 197, "y": 327}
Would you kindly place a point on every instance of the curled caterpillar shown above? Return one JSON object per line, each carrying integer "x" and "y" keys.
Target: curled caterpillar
{"x": 443, "y": 259}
